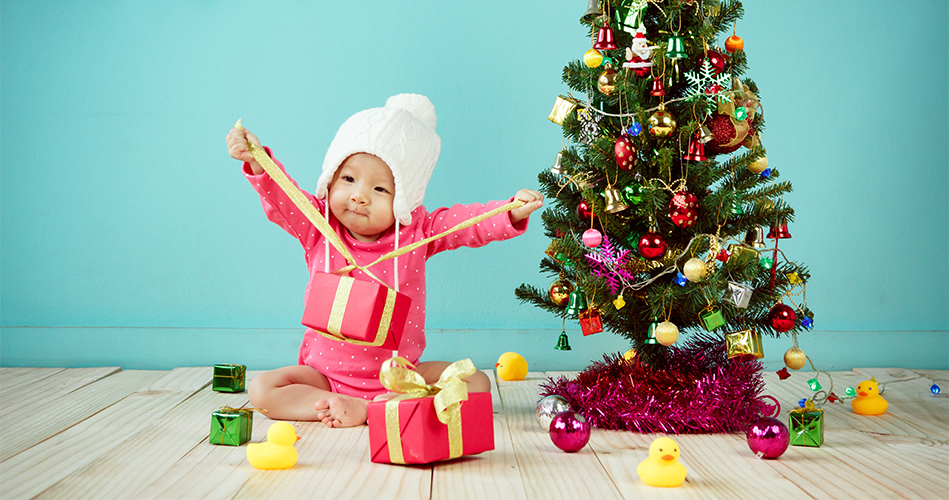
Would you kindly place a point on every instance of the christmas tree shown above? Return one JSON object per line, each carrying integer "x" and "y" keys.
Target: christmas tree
{"x": 665, "y": 221}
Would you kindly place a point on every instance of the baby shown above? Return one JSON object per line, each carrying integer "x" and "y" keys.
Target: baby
{"x": 370, "y": 190}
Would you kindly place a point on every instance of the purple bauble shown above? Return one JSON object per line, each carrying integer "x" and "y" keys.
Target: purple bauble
{"x": 570, "y": 431}
{"x": 768, "y": 437}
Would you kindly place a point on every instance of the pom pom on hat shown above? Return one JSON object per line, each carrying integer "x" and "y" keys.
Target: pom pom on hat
{"x": 402, "y": 134}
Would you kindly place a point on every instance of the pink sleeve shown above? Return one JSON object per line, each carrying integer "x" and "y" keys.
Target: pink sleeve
{"x": 278, "y": 207}
{"x": 496, "y": 228}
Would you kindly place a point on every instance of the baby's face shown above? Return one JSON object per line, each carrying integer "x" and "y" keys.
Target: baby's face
{"x": 361, "y": 195}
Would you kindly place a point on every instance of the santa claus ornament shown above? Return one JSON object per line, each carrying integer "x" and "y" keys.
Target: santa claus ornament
{"x": 638, "y": 54}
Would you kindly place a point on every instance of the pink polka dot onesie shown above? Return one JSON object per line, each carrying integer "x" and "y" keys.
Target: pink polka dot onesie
{"x": 353, "y": 369}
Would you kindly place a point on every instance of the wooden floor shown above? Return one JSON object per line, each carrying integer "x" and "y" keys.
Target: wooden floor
{"x": 107, "y": 433}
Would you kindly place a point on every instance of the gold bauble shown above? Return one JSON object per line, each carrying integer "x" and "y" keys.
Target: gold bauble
{"x": 661, "y": 124}
{"x": 560, "y": 292}
{"x": 606, "y": 83}
{"x": 667, "y": 333}
{"x": 795, "y": 358}
{"x": 758, "y": 165}
{"x": 695, "y": 270}
{"x": 593, "y": 58}
{"x": 629, "y": 355}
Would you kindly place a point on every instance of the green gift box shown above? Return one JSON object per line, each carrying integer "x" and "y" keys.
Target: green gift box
{"x": 228, "y": 378}
{"x": 807, "y": 427}
{"x": 231, "y": 426}
{"x": 712, "y": 318}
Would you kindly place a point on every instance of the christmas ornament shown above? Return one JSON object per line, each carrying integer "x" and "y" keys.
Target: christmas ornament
{"x": 593, "y": 58}
{"x": 726, "y": 137}
{"x": 696, "y": 151}
{"x": 639, "y": 53}
{"x": 712, "y": 318}
{"x": 684, "y": 209}
{"x": 794, "y": 358}
{"x": 604, "y": 38}
{"x": 651, "y": 333}
{"x": 633, "y": 194}
{"x": 675, "y": 49}
{"x": 793, "y": 278}
{"x": 585, "y": 210}
{"x": 657, "y": 89}
{"x": 610, "y": 263}
{"x": 576, "y": 303}
{"x": 741, "y": 113}
{"x": 723, "y": 256}
{"x": 661, "y": 123}
{"x": 590, "y": 321}
{"x": 759, "y": 165}
{"x": 680, "y": 279}
{"x": 560, "y": 291}
{"x": 563, "y": 343}
{"x": 569, "y": 431}
{"x": 768, "y": 437}
{"x": 779, "y": 232}
{"x": 714, "y": 59}
{"x": 744, "y": 343}
{"x": 549, "y": 407}
{"x": 652, "y": 245}
{"x": 734, "y": 43}
{"x": 832, "y": 398}
{"x": 511, "y": 366}
{"x": 667, "y": 333}
{"x": 662, "y": 468}
{"x": 783, "y": 373}
{"x": 766, "y": 173}
{"x": 614, "y": 200}
{"x": 592, "y": 238}
{"x": 704, "y": 134}
{"x": 625, "y": 153}
{"x": 629, "y": 355}
{"x": 606, "y": 83}
{"x": 562, "y": 107}
{"x": 754, "y": 237}
{"x": 868, "y": 400}
{"x": 619, "y": 302}
{"x": 589, "y": 125}
{"x": 695, "y": 270}
{"x": 738, "y": 294}
{"x": 806, "y": 425}
{"x": 557, "y": 169}
{"x": 593, "y": 11}
{"x": 705, "y": 80}
{"x": 781, "y": 317}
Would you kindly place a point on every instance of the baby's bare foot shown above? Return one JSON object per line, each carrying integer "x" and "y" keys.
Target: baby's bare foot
{"x": 341, "y": 411}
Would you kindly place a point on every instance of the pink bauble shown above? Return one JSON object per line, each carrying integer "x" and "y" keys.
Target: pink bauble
{"x": 592, "y": 238}
{"x": 781, "y": 317}
{"x": 570, "y": 431}
{"x": 768, "y": 437}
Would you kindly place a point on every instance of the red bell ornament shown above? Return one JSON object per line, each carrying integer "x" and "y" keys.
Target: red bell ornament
{"x": 652, "y": 245}
{"x": 684, "y": 209}
{"x": 696, "y": 151}
{"x": 604, "y": 39}
{"x": 657, "y": 89}
{"x": 625, "y": 153}
{"x": 779, "y": 232}
{"x": 781, "y": 317}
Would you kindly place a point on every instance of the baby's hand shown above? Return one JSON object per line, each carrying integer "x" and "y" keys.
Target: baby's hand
{"x": 237, "y": 144}
{"x": 532, "y": 201}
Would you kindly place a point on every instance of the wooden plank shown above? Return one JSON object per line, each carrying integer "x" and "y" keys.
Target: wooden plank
{"x": 146, "y": 456}
{"x": 493, "y": 474}
{"x": 42, "y": 466}
{"x": 29, "y": 396}
{"x": 911, "y": 400}
{"x": 13, "y": 378}
{"x": 20, "y": 428}
{"x": 335, "y": 463}
{"x": 871, "y": 451}
{"x": 546, "y": 471}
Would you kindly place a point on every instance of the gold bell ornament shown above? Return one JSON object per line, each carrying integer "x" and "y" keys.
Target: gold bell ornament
{"x": 614, "y": 200}
{"x": 754, "y": 237}
{"x": 557, "y": 169}
{"x": 705, "y": 134}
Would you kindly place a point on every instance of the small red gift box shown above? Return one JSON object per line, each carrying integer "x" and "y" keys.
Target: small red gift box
{"x": 356, "y": 311}
{"x": 590, "y": 321}
{"x": 422, "y": 438}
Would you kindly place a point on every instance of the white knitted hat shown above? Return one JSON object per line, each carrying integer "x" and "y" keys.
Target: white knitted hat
{"x": 402, "y": 134}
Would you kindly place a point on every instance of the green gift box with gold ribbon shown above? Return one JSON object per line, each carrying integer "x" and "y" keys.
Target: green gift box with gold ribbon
{"x": 229, "y": 378}
{"x": 231, "y": 426}
{"x": 806, "y": 426}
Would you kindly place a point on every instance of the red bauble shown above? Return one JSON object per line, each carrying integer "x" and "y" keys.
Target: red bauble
{"x": 723, "y": 132}
{"x": 684, "y": 209}
{"x": 715, "y": 60}
{"x": 652, "y": 246}
{"x": 781, "y": 317}
{"x": 585, "y": 210}
{"x": 625, "y": 153}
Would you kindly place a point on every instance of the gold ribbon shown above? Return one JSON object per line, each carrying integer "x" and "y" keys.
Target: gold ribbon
{"x": 399, "y": 375}
{"x": 746, "y": 98}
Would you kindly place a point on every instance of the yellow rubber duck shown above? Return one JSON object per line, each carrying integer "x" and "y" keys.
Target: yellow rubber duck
{"x": 868, "y": 400}
{"x": 277, "y": 452}
{"x": 511, "y": 366}
{"x": 662, "y": 467}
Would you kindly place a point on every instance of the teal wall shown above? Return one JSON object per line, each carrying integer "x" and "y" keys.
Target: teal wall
{"x": 130, "y": 238}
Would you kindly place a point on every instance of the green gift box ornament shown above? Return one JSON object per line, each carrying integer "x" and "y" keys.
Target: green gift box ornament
{"x": 807, "y": 425}
{"x": 712, "y": 318}
{"x": 231, "y": 426}
{"x": 229, "y": 378}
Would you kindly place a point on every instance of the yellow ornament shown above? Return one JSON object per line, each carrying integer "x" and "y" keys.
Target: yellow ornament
{"x": 759, "y": 165}
{"x": 667, "y": 333}
{"x": 793, "y": 278}
{"x": 661, "y": 123}
{"x": 795, "y": 358}
{"x": 629, "y": 355}
{"x": 619, "y": 302}
{"x": 560, "y": 291}
{"x": 593, "y": 58}
{"x": 695, "y": 270}
{"x": 511, "y": 366}
{"x": 606, "y": 83}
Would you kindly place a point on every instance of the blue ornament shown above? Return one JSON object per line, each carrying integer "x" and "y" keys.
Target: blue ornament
{"x": 681, "y": 280}
{"x": 807, "y": 323}
{"x": 934, "y": 389}
{"x": 802, "y": 402}
{"x": 766, "y": 173}
{"x": 634, "y": 129}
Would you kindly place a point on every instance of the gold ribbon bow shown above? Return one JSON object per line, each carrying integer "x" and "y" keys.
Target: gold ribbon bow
{"x": 398, "y": 374}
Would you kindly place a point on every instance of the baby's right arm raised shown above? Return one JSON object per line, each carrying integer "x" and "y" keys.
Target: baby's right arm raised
{"x": 237, "y": 147}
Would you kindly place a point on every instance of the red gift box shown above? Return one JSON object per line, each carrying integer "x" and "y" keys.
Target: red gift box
{"x": 590, "y": 321}
{"x": 422, "y": 437}
{"x": 356, "y": 311}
